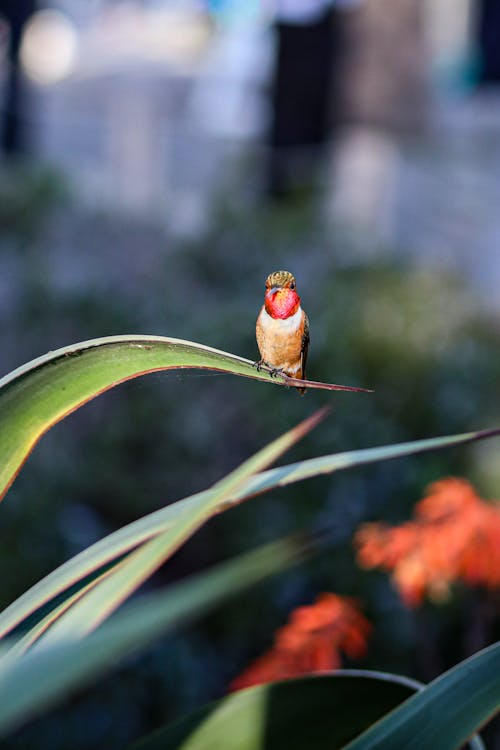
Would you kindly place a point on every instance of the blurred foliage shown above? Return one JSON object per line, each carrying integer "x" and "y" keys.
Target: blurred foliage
{"x": 416, "y": 335}
{"x": 27, "y": 196}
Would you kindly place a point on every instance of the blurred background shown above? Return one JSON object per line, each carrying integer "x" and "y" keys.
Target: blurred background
{"x": 159, "y": 158}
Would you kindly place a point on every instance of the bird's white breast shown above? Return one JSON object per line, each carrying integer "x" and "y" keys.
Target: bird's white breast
{"x": 283, "y": 325}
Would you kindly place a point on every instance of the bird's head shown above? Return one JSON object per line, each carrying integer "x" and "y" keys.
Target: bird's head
{"x": 281, "y": 299}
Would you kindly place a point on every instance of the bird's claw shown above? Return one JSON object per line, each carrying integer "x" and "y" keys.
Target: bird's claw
{"x": 274, "y": 372}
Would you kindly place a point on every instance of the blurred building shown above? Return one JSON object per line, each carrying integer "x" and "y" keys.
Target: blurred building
{"x": 155, "y": 106}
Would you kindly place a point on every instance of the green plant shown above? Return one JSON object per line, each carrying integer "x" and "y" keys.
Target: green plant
{"x": 58, "y": 635}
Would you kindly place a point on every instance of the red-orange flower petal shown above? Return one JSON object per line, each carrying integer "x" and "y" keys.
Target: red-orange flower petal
{"x": 455, "y": 537}
{"x": 312, "y": 641}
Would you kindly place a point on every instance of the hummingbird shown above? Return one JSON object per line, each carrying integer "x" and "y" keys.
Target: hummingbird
{"x": 282, "y": 328}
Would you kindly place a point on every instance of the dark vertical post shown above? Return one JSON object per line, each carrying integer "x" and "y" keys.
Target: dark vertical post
{"x": 489, "y": 40}
{"x": 12, "y": 136}
{"x": 300, "y": 97}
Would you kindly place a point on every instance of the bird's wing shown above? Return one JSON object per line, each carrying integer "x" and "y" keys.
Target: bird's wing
{"x": 305, "y": 345}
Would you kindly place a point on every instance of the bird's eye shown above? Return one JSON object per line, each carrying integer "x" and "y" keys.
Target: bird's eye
{"x": 292, "y": 285}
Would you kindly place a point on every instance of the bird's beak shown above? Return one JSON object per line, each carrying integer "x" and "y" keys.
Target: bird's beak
{"x": 272, "y": 291}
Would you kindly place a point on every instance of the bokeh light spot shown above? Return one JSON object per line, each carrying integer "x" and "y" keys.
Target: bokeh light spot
{"x": 49, "y": 47}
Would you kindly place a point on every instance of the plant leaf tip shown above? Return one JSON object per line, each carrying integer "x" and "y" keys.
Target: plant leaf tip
{"x": 316, "y": 384}
{"x": 313, "y": 420}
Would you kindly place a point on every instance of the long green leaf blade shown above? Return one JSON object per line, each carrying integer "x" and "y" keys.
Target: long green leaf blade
{"x": 22, "y": 644}
{"x": 445, "y": 713}
{"x": 37, "y": 395}
{"x": 73, "y": 662}
{"x": 320, "y": 712}
{"x": 106, "y": 595}
{"x": 130, "y": 536}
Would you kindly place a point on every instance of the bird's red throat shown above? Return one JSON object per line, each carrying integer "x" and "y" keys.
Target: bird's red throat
{"x": 282, "y": 303}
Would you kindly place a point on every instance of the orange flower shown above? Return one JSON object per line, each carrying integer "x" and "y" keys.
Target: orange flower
{"x": 311, "y": 641}
{"x": 455, "y": 536}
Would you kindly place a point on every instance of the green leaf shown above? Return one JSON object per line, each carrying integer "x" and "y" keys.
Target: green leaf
{"x": 128, "y": 537}
{"x": 108, "y": 592}
{"x": 445, "y": 713}
{"x": 37, "y": 395}
{"x": 23, "y": 643}
{"x": 35, "y": 680}
{"x": 314, "y": 712}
